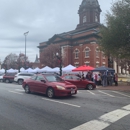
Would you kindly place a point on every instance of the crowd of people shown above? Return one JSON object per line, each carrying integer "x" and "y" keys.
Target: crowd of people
{"x": 104, "y": 79}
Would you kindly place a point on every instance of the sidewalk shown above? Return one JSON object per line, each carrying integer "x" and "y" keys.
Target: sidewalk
{"x": 125, "y": 88}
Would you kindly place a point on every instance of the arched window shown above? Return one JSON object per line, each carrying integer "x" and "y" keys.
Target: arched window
{"x": 84, "y": 19}
{"x": 76, "y": 54}
{"x": 87, "y": 52}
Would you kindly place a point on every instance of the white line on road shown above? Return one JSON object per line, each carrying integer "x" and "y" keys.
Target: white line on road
{"x": 91, "y": 92}
{"x": 16, "y": 92}
{"x": 21, "y": 90}
{"x": 61, "y": 102}
{"x": 126, "y": 107}
{"x": 106, "y": 93}
{"x": 121, "y": 93}
{"x": 105, "y": 120}
{"x": 79, "y": 92}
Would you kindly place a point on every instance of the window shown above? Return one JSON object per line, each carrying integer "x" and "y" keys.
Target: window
{"x": 39, "y": 78}
{"x": 84, "y": 19}
{"x": 34, "y": 77}
{"x": 87, "y": 64}
{"x": 87, "y": 50}
{"x": 76, "y": 65}
{"x": 68, "y": 77}
{"x": 53, "y": 78}
{"x": 76, "y": 54}
{"x": 103, "y": 55}
{"x": 97, "y": 52}
{"x": 96, "y": 18}
{"x": 97, "y": 64}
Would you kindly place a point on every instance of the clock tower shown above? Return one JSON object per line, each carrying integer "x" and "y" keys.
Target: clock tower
{"x": 89, "y": 13}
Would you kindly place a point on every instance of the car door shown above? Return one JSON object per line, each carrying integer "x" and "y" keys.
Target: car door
{"x": 77, "y": 81}
{"x": 73, "y": 79}
{"x": 32, "y": 83}
{"x": 40, "y": 86}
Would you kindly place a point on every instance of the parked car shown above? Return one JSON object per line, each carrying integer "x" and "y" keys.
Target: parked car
{"x": 9, "y": 77}
{"x": 19, "y": 78}
{"x": 80, "y": 83}
{"x": 50, "y": 85}
{"x": 1, "y": 77}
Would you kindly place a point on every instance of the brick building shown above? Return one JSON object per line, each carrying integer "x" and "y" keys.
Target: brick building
{"x": 79, "y": 46}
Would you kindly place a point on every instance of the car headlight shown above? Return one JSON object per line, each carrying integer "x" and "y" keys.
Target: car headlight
{"x": 60, "y": 87}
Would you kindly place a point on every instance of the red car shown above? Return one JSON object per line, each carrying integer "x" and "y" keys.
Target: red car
{"x": 49, "y": 84}
{"x": 9, "y": 77}
{"x": 80, "y": 83}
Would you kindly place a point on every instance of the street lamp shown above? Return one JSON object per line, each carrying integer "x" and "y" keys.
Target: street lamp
{"x": 25, "y": 34}
{"x": 60, "y": 60}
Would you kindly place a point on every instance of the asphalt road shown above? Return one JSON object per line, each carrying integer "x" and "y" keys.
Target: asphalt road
{"x": 88, "y": 110}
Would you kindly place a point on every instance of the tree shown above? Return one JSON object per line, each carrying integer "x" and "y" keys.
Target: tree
{"x": 10, "y": 61}
{"x": 14, "y": 61}
{"x": 115, "y": 35}
{"x": 49, "y": 55}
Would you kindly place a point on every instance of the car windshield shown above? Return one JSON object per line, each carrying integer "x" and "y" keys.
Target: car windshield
{"x": 53, "y": 78}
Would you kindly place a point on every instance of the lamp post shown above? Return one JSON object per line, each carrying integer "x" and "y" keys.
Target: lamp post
{"x": 25, "y": 34}
{"x": 60, "y": 60}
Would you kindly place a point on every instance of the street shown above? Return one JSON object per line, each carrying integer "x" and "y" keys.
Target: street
{"x": 88, "y": 110}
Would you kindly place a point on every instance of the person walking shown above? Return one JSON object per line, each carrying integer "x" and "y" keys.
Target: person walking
{"x": 88, "y": 76}
{"x": 99, "y": 79}
{"x": 116, "y": 79}
{"x": 109, "y": 79}
{"x": 104, "y": 79}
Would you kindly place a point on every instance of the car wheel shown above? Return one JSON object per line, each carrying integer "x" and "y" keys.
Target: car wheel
{"x": 90, "y": 86}
{"x": 50, "y": 93}
{"x": 27, "y": 89}
{"x": 20, "y": 81}
{"x": 7, "y": 80}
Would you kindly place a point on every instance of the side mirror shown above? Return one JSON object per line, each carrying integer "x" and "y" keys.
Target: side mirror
{"x": 43, "y": 81}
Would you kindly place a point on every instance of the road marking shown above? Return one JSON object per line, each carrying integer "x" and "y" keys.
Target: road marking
{"x": 92, "y": 125}
{"x": 61, "y": 102}
{"x": 126, "y": 107}
{"x": 21, "y": 90}
{"x": 91, "y": 92}
{"x": 16, "y": 92}
{"x": 105, "y": 120}
{"x": 106, "y": 93}
{"x": 121, "y": 93}
{"x": 79, "y": 92}
{"x": 114, "y": 115}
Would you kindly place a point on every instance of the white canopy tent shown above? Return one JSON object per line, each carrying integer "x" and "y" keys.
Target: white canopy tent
{"x": 29, "y": 70}
{"x": 36, "y": 70}
{"x": 12, "y": 71}
{"x": 22, "y": 69}
{"x": 68, "y": 68}
{"x": 45, "y": 69}
{"x": 2, "y": 71}
{"x": 56, "y": 69}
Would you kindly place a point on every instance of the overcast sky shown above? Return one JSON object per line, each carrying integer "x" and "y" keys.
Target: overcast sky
{"x": 42, "y": 18}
